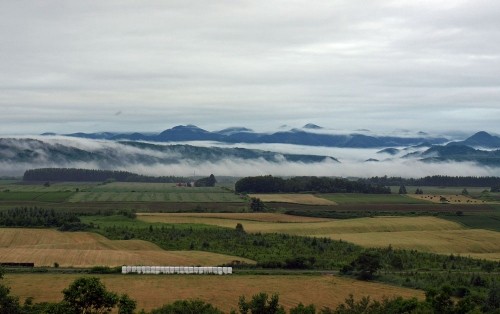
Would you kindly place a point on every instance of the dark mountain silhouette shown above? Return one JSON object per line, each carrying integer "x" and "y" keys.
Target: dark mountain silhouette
{"x": 244, "y": 135}
{"x": 481, "y": 139}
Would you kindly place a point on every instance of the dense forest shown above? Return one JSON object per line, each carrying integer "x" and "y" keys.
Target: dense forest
{"x": 92, "y": 175}
{"x": 270, "y": 184}
{"x": 39, "y": 217}
{"x": 437, "y": 181}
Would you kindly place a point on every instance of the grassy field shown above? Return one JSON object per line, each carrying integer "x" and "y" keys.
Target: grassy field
{"x": 84, "y": 249}
{"x": 357, "y": 198}
{"x": 115, "y": 192}
{"x": 35, "y": 196}
{"x": 308, "y": 199}
{"x": 154, "y": 192}
{"x": 256, "y": 217}
{"x": 428, "y": 234}
{"x": 54, "y": 187}
{"x": 222, "y": 291}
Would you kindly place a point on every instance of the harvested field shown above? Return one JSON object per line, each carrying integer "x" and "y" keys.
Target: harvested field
{"x": 450, "y": 198}
{"x": 258, "y": 217}
{"x": 222, "y": 291}
{"x": 320, "y": 226}
{"x": 307, "y": 199}
{"x": 481, "y": 243}
{"x": 44, "y": 247}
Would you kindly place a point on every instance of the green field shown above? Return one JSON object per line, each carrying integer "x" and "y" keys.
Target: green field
{"x": 35, "y": 196}
{"x": 180, "y": 196}
{"x": 356, "y": 198}
{"x": 115, "y": 192}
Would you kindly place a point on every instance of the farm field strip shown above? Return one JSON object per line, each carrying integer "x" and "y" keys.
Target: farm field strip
{"x": 450, "y": 190}
{"x": 450, "y": 198}
{"x": 222, "y": 291}
{"x": 358, "y": 198}
{"x": 464, "y": 242}
{"x": 154, "y": 197}
{"x": 54, "y": 187}
{"x": 44, "y": 247}
{"x": 367, "y": 224}
{"x": 258, "y": 217}
{"x": 307, "y": 199}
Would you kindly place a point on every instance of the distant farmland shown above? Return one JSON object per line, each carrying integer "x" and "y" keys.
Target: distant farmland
{"x": 44, "y": 247}
{"x": 308, "y": 199}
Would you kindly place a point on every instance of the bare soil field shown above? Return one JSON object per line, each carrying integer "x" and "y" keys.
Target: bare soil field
{"x": 152, "y": 291}
{"x": 307, "y": 199}
{"x": 44, "y": 247}
{"x": 450, "y": 198}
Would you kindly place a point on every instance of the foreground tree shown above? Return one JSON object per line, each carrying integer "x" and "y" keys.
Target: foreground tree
{"x": 88, "y": 295}
{"x": 187, "y": 307}
{"x": 261, "y": 304}
{"x": 366, "y": 265}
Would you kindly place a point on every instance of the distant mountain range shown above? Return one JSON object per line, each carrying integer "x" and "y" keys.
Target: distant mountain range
{"x": 122, "y": 150}
{"x": 310, "y": 135}
{"x": 122, "y": 153}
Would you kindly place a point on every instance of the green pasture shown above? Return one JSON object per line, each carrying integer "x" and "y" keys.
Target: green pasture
{"x": 357, "y": 198}
{"x": 35, "y": 196}
{"x": 179, "y": 196}
{"x": 489, "y": 221}
{"x": 53, "y": 187}
{"x": 154, "y": 187}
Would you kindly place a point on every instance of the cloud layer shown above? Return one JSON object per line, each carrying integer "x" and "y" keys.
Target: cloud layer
{"x": 109, "y": 65}
{"x": 145, "y": 161}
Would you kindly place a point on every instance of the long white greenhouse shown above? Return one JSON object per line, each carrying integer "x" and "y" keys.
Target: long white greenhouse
{"x": 171, "y": 270}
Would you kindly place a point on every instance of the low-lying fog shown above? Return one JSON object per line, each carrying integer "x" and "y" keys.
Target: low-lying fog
{"x": 352, "y": 162}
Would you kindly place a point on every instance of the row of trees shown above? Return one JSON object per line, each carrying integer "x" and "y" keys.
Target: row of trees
{"x": 92, "y": 175}
{"x": 205, "y": 182}
{"x": 90, "y": 296}
{"x": 437, "y": 180}
{"x": 39, "y": 217}
{"x": 270, "y": 184}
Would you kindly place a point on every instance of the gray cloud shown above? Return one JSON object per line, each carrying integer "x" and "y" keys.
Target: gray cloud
{"x": 72, "y": 65}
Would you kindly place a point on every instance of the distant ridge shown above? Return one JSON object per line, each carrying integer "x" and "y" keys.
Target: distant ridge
{"x": 304, "y": 136}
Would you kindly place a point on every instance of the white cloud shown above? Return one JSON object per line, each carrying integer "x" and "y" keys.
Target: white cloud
{"x": 70, "y": 66}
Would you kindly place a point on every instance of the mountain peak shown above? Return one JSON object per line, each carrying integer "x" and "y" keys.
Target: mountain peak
{"x": 483, "y": 139}
{"x": 312, "y": 126}
{"x": 481, "y": 135}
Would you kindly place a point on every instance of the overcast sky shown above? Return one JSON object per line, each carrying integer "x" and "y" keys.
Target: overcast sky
{"x": 68, "y": 66}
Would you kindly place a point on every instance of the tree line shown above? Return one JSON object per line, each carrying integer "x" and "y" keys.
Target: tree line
{"x": 437, "y": 180}
{"x": 270, "y": 184}
{"x": 39, "y": 217}
{"x": 92, "y": 175}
